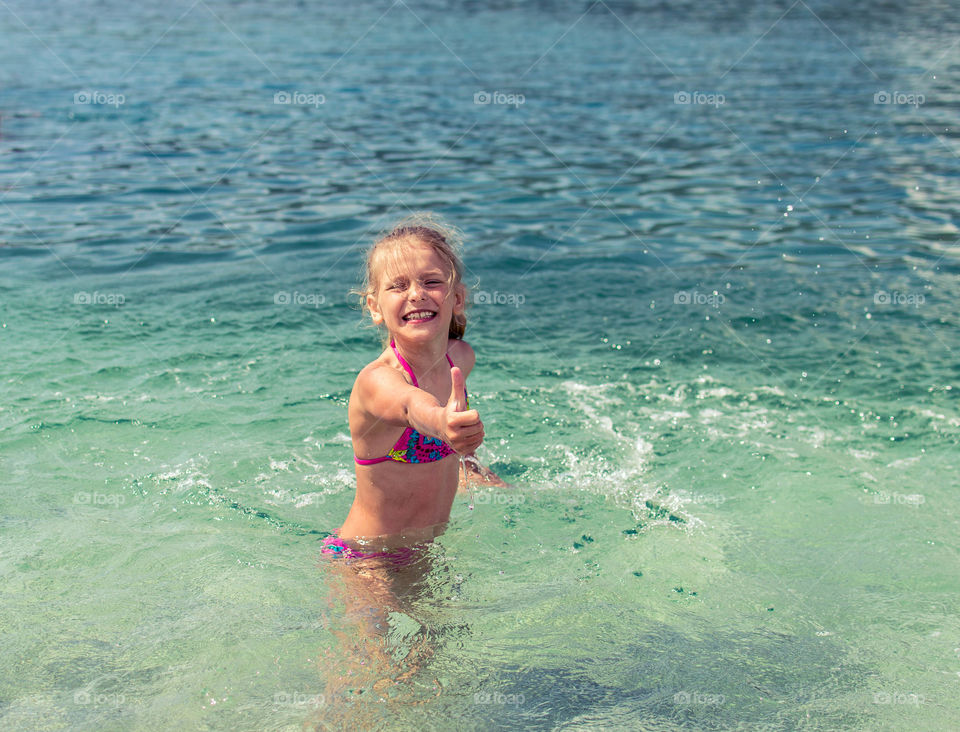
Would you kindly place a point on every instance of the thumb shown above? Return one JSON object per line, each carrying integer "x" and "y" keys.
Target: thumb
{"x": 458, "y": 394}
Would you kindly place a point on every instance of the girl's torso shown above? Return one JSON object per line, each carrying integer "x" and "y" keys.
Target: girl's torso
{"x": 405, "y": 486}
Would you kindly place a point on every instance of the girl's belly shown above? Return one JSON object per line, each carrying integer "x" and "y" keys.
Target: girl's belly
{"x": 393, "y": 498}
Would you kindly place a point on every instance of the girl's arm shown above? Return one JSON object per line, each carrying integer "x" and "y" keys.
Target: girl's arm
{"x": 463, "y": 356}
{"x": 386, "y": 398}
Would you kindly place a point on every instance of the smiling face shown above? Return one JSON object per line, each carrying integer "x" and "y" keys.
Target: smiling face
{"x": 416, "y": 295}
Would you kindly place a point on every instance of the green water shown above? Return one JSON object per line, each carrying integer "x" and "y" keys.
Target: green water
{"x": 689, "y": 542}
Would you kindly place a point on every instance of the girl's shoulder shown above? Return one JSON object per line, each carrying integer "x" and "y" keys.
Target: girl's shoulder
{"x": 378, "y": 370}
{"x": 462, "y": 355}
{"x": 374, "y": 392}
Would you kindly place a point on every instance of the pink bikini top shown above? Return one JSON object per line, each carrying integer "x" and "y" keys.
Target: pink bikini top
{"x": 412, "y": 447}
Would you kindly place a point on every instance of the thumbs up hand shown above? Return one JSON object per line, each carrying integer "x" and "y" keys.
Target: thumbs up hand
{"x": 463, "y": 430}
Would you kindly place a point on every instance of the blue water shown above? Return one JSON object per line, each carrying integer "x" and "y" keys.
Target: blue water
{"x": 716, "y": 348}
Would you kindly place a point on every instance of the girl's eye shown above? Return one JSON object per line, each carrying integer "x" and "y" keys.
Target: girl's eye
{"x": 434, "y": 282}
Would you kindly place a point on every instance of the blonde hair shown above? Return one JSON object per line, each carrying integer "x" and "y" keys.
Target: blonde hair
{"x": 388, "y": 251}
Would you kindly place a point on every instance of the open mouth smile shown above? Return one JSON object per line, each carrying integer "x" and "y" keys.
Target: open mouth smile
{"x": 420, "y": 316}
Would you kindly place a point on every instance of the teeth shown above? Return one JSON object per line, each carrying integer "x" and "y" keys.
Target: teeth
{"x": 420, "y": 315}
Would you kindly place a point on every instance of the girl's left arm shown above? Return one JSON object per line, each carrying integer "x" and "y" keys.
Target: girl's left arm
{"x": 463, "y": 356}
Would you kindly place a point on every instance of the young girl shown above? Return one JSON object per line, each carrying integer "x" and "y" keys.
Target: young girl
{"x": 409, "y": 417}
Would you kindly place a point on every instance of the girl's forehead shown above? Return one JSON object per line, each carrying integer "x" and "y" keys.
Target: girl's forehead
{"x": 408, "y": 259}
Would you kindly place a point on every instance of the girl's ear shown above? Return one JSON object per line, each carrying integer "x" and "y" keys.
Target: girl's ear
{"x": 460, "y": 293}
{"x": 373, "y": 306}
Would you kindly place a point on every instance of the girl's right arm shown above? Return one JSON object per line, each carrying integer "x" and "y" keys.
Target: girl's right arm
{"x": 385, "y": 397}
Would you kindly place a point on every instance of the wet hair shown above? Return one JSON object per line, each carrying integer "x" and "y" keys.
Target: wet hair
{"x": 388, "y": 253}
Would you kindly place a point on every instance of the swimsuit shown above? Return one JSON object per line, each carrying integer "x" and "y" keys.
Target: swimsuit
{"x": 335, "y": 545}
{"x": 412, "y": 447}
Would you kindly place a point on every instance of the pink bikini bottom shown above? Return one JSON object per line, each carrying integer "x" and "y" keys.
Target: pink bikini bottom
{"x": 400, "y": 555}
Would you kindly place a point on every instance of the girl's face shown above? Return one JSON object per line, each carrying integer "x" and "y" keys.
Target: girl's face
{"x": 413, "y": 298}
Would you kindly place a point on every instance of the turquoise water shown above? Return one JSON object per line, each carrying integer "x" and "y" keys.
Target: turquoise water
{"x": 716, "y": 358}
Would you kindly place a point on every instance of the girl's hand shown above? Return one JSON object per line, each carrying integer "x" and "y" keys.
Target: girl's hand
{"x": 463, "y": 430}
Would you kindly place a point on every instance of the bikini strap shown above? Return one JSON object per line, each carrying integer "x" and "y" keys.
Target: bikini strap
{"x": 406, "y": 366}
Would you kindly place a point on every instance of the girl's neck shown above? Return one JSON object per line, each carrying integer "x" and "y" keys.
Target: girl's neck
{"x": 424, "y": 358}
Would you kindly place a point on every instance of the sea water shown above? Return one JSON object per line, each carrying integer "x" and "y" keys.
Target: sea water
{"x": 713, "y": 260}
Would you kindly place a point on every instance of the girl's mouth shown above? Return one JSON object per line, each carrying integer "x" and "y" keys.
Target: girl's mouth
{"x": 420, "y": 316}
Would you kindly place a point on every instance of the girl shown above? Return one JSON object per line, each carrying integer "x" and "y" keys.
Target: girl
{"x": 409, "y": 416}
